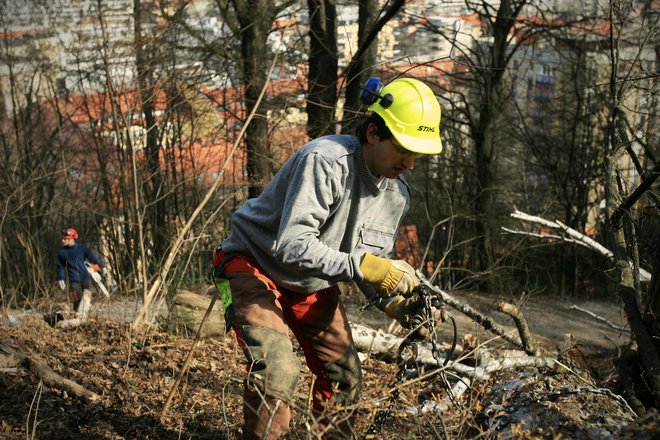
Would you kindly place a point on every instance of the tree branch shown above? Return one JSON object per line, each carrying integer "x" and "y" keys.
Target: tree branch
{"x": 575, "y": 237}
{"x": 51, "y": 378}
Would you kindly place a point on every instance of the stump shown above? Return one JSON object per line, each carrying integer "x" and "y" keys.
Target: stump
{"x": 187, "y": 310}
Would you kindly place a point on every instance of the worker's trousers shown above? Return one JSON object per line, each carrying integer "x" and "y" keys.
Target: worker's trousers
{"x": 263, "y": 313}
{"x": 81, "y": 292}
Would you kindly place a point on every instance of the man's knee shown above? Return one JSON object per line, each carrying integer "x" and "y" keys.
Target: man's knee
{"x": 346, "y": 374}
{"x": 274, "y": 368}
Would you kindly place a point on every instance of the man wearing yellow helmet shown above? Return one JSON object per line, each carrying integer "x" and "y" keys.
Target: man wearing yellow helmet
{"x": 330, "y": 214}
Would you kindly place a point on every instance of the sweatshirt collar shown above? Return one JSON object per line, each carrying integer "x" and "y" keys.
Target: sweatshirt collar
{"x": 374, "y": 184}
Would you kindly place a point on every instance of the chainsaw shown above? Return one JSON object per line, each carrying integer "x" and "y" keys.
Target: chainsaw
{"x": 407, "y": 354}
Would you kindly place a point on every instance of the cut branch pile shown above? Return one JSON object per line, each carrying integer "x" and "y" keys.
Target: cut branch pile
{"x": 471, "y": 365}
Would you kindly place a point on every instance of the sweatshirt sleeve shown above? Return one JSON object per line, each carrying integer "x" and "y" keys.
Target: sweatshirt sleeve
{"x": 92, "y": 257}
{"x": 317, "y": 187}
{"x": 59, "y": 266}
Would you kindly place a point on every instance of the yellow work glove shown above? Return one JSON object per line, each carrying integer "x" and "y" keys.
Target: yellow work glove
{"x": 404, "y": 309}
{"x": 390, "y": 277}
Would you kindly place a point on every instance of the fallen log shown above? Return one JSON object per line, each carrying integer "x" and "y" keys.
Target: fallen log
{"x": 48, "y": 376}
{"x": 472, "y": 375}
{"x": 187, "y": 311}
{"x": 385, "y": 345}
{"x": 375, "y": 343}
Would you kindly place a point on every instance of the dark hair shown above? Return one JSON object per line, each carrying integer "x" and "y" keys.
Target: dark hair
{"x": 382, "y": 131}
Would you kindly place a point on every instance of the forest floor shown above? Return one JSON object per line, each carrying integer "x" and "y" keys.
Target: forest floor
{"x": 132, "y": 374}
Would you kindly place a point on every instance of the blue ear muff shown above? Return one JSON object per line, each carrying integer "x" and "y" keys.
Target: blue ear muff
{"x": 371, "y": 93}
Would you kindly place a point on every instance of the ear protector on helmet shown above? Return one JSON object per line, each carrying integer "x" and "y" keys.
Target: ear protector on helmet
{"x": 371, "y": 93}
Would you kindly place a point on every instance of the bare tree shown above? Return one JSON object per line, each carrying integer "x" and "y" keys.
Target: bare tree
{"x": 628, "y": 46}
{"x": 255, "y": 19}
{"x": 33, "y": 139}
{"x": 322, "y": 77}
{"x": 475, "y": 92}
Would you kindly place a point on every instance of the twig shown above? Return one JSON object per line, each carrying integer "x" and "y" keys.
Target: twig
{"x": 36, "y": 399}
{"x": 273, "y": 413}
{"x": 130, "y": 350}
{"x": 600, "y": 318}
{"x": 168, "y": 402}
{"x": 537, "y": 235}
{"x": 521, "y": 324}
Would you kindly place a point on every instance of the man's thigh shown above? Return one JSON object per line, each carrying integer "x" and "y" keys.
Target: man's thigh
{"x": 320, "y": 320}
{"x": 255, "y": 302}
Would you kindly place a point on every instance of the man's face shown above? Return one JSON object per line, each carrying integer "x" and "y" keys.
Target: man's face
{"x": 67, "y": 241}
{"x": 386, "y": 158}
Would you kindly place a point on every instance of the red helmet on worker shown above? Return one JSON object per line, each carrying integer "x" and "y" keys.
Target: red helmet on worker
{"x": 70, "y": 233}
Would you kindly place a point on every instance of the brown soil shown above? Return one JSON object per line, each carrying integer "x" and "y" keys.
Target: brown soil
{"x": 134, "y": 373}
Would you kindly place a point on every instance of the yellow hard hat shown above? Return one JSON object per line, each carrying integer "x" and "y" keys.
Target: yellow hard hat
{"x": 411, "y": 112}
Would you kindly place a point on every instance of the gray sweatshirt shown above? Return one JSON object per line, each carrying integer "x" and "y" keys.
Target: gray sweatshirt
{"x": 319, "y": 215}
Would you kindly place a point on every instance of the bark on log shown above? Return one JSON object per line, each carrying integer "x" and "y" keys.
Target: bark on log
{"x": 385, "y": 345}
{"x": 374, "y": 343}
{"x": 51, "y": 378}
{"x": 187, "y": 311}
{"x": 67, "y": 324}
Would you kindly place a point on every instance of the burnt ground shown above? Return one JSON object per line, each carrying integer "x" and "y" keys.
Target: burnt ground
{"x": 134, "y": 373}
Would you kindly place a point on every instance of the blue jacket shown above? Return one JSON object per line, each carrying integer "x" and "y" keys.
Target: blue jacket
{"x": 73, "y": 260}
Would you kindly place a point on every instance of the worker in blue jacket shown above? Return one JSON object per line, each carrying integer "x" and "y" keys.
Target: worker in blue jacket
{"x": 71, "y": 259}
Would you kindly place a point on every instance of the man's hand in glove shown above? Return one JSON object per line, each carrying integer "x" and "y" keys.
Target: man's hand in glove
{"x": 62, "y": 284}
{"x": 404, "y": 309}
{"x": 390, "y": 277}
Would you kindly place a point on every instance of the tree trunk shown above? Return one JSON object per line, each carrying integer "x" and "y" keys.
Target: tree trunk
{"x": 625, "y": 274}
{"x": 361, "y": 68}
{"x": 322, "y": 77}
{"x": 256, "y": 19}
{"x": 485, "y": 129}
{"x": 155, "y": 215}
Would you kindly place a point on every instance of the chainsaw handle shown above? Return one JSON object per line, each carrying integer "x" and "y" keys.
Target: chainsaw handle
{"x": 427, "y": 289}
